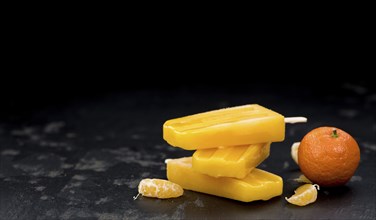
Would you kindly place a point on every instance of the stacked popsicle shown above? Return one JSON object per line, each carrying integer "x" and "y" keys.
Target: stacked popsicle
{"x": 230, "y": 143}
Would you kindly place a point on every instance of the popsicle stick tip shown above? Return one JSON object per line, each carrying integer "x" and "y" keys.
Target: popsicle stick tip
{"x": 293, "y": 120}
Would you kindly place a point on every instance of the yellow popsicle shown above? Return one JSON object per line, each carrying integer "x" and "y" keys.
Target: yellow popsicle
{"x": 258, "y": 185}
{"x": 235, "y": 161}
{"x": 247, "y": 124}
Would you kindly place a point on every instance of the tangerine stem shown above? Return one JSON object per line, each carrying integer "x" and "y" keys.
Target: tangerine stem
{"x": 334, "y": 134}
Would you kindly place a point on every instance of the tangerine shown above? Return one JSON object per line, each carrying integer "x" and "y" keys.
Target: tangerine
{"x": 328, "y": 156}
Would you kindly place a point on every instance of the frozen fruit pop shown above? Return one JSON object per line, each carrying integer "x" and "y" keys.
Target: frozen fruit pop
{"x": 247, "y": 124}
{"x": 236, "y": 161}
{"x": 257, "y": 185}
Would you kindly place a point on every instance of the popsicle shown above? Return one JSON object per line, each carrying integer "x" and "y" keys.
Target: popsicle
{"x": 235, "y": 161}
{"x": 247, "y": 124}
{"x": 257, "y": 185}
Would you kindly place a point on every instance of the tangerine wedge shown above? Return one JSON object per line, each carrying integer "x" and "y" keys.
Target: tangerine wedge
{"x": 158, "y": 188}
{"x": 304, "y": 195}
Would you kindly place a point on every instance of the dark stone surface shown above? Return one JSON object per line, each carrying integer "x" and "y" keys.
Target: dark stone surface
{"x": 82, "y": 158}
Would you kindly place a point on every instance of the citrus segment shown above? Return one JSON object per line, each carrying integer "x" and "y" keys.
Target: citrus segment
{"x": 158, "y": 188}
{"x": 304, "y": 195}
{"x": 294, "y": 151}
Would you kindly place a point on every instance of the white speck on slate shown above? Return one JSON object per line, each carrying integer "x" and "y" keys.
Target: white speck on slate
{"x": 72, "y": 185}
{"x": 77, "y": 213}
{"x": 198, "y": 203}
{"x": 179, "y": 213}
{"x": 33, "y": 181}
{"x": 71, "y": 135}
{"x": 27, "y": 131}
{"x": 146, "y": 174}
{"x": 54, "y": 173}
{"x": 355, "y": 178}
{"x": 355, "y": 88}
{"x": 79, "y": 177}
{"x": 52, "y": 213}
{"x": 101, "y": 201}
{"x": 34, "y": 137}
{"x": 66, "y": 166}
{"x": 369, "y": 146}
{"x": 10, "y": 152}
{"x": 136, "y": 136}
{"x": 286, "y": 165}
{"x": 40, "y": 188}
{"x": 42, "y": 157}
{"x": 348, "y": 113}
{"x": 54, "y": 127}
{"x": 115, "y": 216}
{"x": 45, "y": 143}
{"x": 131, "y": 183}
{"x": 92, "y": 164}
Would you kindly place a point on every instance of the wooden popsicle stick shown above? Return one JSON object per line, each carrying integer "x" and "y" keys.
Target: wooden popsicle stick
{"x": 293, "y": 120}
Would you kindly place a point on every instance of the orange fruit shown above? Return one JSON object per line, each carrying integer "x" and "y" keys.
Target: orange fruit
{"x": 158, "y": 188}
{"x": 328, "y": 156}
{"x": 304, "y": 195}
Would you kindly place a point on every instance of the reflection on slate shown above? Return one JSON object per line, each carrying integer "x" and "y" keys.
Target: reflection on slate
{"x": 84, "y": 157}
